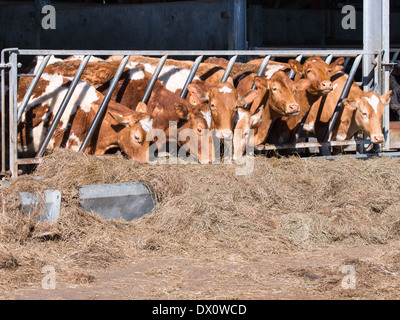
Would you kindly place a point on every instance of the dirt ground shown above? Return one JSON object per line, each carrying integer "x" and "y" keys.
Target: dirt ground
{"x": 302, "y": 275}
{"x": 293, "y": 229}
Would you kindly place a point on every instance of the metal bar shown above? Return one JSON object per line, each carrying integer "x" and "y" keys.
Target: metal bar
{"x": 29, "y": 161}
{"x": 385, "y": 83}
{"x": 356, "y": 156}
{"x": 191, "y": 76}
{"x": 292, "y": 73}
{"x": 3, "y": 116}
{"x": 63, "y": 106}
{"x": 153, "y": 80}
{"x": 395, "y": 55}
{"x": 32, "y": 86}
{"x": 344, "y": 94}
{"x": 303, "y": 145}
{"x": 229, "y": 68}
{"x": 260, "y": 73}
{"x": 104, "y": 103}
{"x": 273, "y": 52}
{"x": 13, "y": 116}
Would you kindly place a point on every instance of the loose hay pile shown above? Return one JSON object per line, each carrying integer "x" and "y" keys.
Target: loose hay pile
{"x": 203, "y": 211}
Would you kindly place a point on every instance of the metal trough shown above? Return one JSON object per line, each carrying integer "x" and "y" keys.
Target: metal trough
{"x": 50, "y": 204}
{"x": 126, "y": 201}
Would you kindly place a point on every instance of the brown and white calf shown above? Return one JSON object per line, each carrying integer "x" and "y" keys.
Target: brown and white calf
{"x": 206, "y": 89}
{"x": 164, "y": 105}
{"x": 121, "y": 127}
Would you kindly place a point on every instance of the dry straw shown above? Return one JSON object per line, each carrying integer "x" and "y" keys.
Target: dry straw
{"x": 202, "y": 211}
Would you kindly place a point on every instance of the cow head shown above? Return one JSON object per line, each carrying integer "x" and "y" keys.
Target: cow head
{"x": 130, "y": 130}
{"x": 222, "y": 99}
{"x": 194, "y": 131}
{"x": 365, "y": 114}
{"x": 280, "y": 89}
{"x": 318, "y": 72}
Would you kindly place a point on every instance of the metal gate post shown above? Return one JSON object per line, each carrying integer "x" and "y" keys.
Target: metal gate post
{"x": 13, "y": 115}
{"x": 385, "y": 85}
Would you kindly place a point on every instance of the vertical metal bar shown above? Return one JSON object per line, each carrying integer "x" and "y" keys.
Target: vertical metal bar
{"x": 372, "y": 38}
{"x": 228, "y": 68}
{"x": 32, "y": 87}
{"x": 13, "y": 114}
{"x": 292, "y": 73}
{"x": 104, "y": 103}
{"x": 3, "y": 115}
{"x": 237, "y": 25}
{"x": 385, "y": 84}
{"x": 191, "y": 76}
{"x": 344, "y": 94}
{"x": 260, "y": 73}
{"x": 153, "y": 80}
{"x": 62, "y": 107}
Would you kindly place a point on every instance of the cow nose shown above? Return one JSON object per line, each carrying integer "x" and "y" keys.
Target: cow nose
{"x": 293, "y": 108}
{"x": 377, "y": 138}
{"x": 326, "y": 85}
{"x": 205, "y": 161}
{"x": 226, "y": 134}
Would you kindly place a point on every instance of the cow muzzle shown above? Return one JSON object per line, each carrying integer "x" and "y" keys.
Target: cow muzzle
{"x": 225, "y": 134}
{"x": 326, "y": 87}
{"x": 292, "y": 109}
{"x": 377, "y": 138}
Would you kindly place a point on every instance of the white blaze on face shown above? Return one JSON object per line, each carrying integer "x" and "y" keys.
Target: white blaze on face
{"x": 271, "y": 70}
{"x": 309, "y": 127}
{"x": 207, "y": 117}
{"x": 374, "y": 102}
{"x": 147, "y": 124}
{"x": 225, "y": 89}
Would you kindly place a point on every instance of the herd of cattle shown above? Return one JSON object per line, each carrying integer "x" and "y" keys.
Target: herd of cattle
{"x": 241, "y": 110}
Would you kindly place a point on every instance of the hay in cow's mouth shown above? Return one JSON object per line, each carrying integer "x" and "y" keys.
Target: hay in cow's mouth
{"x": 205, "y": 211}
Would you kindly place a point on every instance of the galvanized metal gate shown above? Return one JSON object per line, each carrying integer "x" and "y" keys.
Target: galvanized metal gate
{"x": 11, "y": 112}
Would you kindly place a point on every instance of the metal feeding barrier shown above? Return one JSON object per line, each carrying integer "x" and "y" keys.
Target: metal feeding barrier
{"x": 11, "y": 115}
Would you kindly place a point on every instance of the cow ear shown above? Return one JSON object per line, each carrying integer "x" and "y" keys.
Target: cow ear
{"x": 261, "y": 82}
{"x": 337, "y": 65}
{"x": 302, "y": 84}
{"x": 141, "y": 107}
{"x": 385, "y": 98}
{"x": 199, "y": 95}
{"x": 121, "y": 119}
{"x": 181, "y": 110}
{"x": 350, "y": 104}
{"x": 295, "y": 66}
{"x": 248, "y": 97}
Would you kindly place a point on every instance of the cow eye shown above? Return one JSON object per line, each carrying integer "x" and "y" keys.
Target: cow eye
{"x": 274, "y": 89}
{"x": 199, "y": 129}
{"x": 309, "y": 71}
{"x": 365, "y": 114}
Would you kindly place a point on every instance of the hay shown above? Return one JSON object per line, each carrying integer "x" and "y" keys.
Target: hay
{"x": 205, "y": 211}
